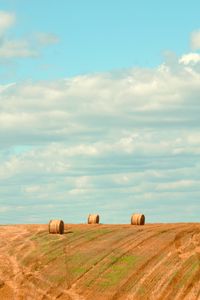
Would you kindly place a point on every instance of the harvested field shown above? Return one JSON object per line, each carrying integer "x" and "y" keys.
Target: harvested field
{"x": 118, "y": 262}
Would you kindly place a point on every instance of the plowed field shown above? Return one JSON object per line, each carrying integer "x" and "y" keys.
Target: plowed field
{"x": 100, "y": 262}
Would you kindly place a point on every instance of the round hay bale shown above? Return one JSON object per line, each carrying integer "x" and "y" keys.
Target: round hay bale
{"x": 137, "y": 219}
{"x": 56, "y": 226}
{"x": 93, "y": 219}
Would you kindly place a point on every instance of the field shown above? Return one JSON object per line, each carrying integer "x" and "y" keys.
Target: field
{"x": 100, "y": 262}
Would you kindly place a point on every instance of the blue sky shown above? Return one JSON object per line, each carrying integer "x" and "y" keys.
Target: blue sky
{"x": 96, "y": 36}
{"x": 99, "y": 110}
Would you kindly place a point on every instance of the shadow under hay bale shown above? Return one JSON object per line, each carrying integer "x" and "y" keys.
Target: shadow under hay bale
{"x": 93, "y": 219}
{"x": 1, "y": 283}
{"x": 137, "y": 219}
{"x": 56, "y": 227}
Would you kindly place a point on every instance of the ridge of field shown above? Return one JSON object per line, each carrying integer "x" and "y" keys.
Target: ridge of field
{"x": 101, "y": 262}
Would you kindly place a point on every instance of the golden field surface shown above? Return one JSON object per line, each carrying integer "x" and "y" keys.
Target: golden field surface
{"x": 100, "y": 262}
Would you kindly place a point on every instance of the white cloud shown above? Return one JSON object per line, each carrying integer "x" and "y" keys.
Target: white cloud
{"x": 4, "y": 209}
{"x": 195, "y": 40}
{"x": 103, "y": 140}
{"x": 181, "y": 184}
{"x": 17, "y": 49}
{"x": 94, "y": 104}
{"x": 7, "y": 19}
{"x": 190, "y": 58}
{"x": 4, "y": 87}
{"x": 45, "y": 39}
{"x": 32, "y": 189}
{"x": 82, "y": 186}
{"x": 29, "y": 47}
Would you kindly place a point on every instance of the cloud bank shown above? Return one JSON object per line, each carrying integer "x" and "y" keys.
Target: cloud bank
{"x": 112, "y": 143}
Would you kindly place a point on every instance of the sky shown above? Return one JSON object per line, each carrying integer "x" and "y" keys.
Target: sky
{"x": 99, "y": 110}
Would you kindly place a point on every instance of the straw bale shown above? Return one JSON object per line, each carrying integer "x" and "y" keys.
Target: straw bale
{"x": 93, "y": 219}
{"x": 56, "y": 226}
{"x": 137, "y": 219}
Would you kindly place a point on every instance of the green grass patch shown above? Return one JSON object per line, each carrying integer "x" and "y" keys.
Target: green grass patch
{"x": 191, "y": 266}
{"x": 77, "y": 264}
{"x": 80, "y": 263}
{"x": 56, "y": 278}
{"x": 47, "y": 248}
{"x": 118, "y": 269}
{"x": 88, "y": 235}
{"x": 188, "y": 274}
{"x": 142, "y": 291}
{"x": 79, "y": 271}
{"x": 92, "y": 235}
